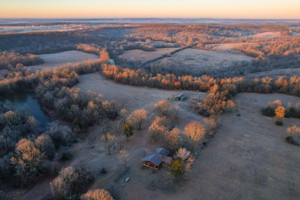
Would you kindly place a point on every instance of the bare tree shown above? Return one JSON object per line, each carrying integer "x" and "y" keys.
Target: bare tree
{"x": 157, "y": 128}
{"x": 173, "y": 138}
{"x": 195, "y": 132}
{"x": 136, "y": 118}
{"x": 183, "y": 154}
{"x": 123, "y": 156}
{"x": 110, "y": 142}
{"x": 163, "y": 107}
{"x": 211, "y": 124}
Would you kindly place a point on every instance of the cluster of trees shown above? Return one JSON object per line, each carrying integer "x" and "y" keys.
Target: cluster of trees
{"x": 285, "y": 46}
{"x": 216, "y": 103}
{"x": 183, "y": 163}
{"x": 169, "y": 81}
{"x": 163, "y": 128}
{"x": 88, "y": 48}
{"x": 9, "y": 60}
{"x": 22, "y": 79}
{"x": 45, "y": 42}
{"x": 14, "y": 125}
{"x": 72, "y": 182}
{"x": 275, "y": 54}
{"x": 282, "y": 84}
{"x": 287, "y": 111}
{"x": 191, "y": 34}
{"x": 55, "y": 92}
{"x": 27, "y": 150}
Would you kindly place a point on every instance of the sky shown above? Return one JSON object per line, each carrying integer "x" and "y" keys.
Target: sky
{"x": 279, "y": 9}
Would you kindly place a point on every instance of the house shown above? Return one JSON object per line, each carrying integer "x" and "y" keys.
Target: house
{"x": 162, "y": 151}
{"x": 165, "y": 160}
{"x": 160, "y": 157}
{"x": 181, "y": 97}
{"x": 152, "y": 161}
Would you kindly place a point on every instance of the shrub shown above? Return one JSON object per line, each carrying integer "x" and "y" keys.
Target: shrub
{"x": 64, "y": 154}
{"x": 137, "y": 117}
{"x": 128, "y": 130}
{"x": 293, "y": 112}
{"x": 291, "y": 140}
{"x": 269, "y": 111}
{"x": 177, "y": 169}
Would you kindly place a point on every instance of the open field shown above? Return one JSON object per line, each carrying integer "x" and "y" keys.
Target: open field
{"x": 143, "y": 56}
{"x": 266, "y": 35}
{"x": 227, "y": 46}
{"x": 129, "y": 96}
{"x": 247, "y": 159}
{"x": 194, "y": 60}
{"x": 62, "y": 58}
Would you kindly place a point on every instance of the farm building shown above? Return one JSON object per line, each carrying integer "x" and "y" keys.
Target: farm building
{"x": 181, "y": 97}
{"x": 152, "y": 161}
{"x": 160, "y": 157}
{"x": 165, "y": 160}
{"x": 162, "y": 151}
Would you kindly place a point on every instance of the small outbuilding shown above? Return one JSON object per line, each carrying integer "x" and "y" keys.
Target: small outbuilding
{"x": 181, "y": 97}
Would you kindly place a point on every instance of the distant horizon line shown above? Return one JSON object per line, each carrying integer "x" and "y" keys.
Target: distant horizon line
{"x": 230, "y": 18}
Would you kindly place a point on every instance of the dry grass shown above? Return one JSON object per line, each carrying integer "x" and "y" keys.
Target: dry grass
{"x": 143, "y": 56}
{"x": 247, "y": 159}
{"x": 62, "y": 58}
{"x": 193, "y": 60}
{"x": 266, "y": 35}
{"x": 130, "y": 97}
{"x": 227, "y": 46}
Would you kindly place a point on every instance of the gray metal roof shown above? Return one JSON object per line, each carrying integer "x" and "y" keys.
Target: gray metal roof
{"x": 154, "y": 158}
{"x": 162, "y": 151}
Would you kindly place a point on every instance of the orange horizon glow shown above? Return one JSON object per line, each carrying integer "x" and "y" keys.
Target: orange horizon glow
{"x": 288, "y": 9}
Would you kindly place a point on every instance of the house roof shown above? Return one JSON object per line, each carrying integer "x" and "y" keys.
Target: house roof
{"x": 165, "y": 159}
{"x": 162, "y": 151}
{"x": 154, "y": 158}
